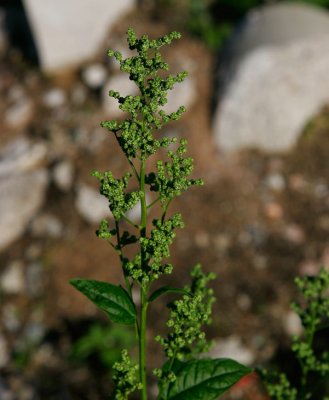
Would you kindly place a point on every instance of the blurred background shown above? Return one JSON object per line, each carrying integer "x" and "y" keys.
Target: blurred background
{"x": 257, "y": 122}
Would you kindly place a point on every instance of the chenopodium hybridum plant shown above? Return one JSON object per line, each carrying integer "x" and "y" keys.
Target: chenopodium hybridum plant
{"x": 184, "y": 375}
{"x": 313, "y": 312}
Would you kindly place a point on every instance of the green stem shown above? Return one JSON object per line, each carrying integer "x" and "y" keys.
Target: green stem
{"x": 153, "y": 202}
{"x": 143, "y": 291}
{"x": 142, "y": 344}
{"x": 133, "y": 168}
{"x": 129, "y": 221}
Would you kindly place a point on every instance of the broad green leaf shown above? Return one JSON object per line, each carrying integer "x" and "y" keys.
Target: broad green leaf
{"x": 205, "y": 379}
{"x": 112, "y": 299}
{"x": 166, "y": 289}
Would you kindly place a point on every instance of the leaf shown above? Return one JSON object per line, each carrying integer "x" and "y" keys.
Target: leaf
{"x": 166, "y": 289}
{"x": 112, "y": 299}
{"x": 205, "y": 379}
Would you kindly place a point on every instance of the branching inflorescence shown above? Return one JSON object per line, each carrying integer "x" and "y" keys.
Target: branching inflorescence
{"x": 139, "y": 138}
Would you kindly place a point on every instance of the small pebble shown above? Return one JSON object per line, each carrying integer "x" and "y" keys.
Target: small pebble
{"x": 54, "y": 98}
{"x": 275, "y": 182}
{"x": 292, "y": 324}
{"x": 94, "y": 75}
{"x": 63, "y": 174}
{"x": 20, "y": 114}
{"x": 12, "y": 279}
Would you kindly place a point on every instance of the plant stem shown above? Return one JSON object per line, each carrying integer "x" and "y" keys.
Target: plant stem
{"x": 142, "y": 344}
{"x": 143, "y": 291}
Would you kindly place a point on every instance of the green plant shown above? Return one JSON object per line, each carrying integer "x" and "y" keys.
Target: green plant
{"x": 183, "y": 375}
{"x": 313, "y": 311}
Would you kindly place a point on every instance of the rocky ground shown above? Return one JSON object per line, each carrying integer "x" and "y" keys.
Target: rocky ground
{"x": 260, "y": 220}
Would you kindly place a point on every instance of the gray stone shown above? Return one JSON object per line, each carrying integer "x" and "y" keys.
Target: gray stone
{"x": 91, "y": 205}
{"x": 20, "y": 156}
{"x": 268, "y": 92}
{"x": 54, "y": 98}
{"x": 12, "y": 278}
{"x": 68, "y": 33}
{"x": 20, "y": 113}
{"x": 47, "y": 225}
{"x": 21, "y": 197}
{"x": 63, "y": 175}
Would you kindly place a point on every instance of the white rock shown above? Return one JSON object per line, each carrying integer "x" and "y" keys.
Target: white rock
{"x": 4, "y": 352}
{"x": 270, "y": 92}
{"x": 21, "y": 155}
{"x": 232, "y": 347}
{"x": 94, "y": 75}
{"x": 69, "y": 32}
{"x": 12, "y": 278}
{"x": 119, "y": 83}
{"x": 91, "y": 205}
{"x": 182, "y": 94}
{"x": 19, "y": 114}
{"x": 47, "y": 225}
{"x": 54, "y": 98}
{"x": 21, "y": 198}
{"x": 63, "y": 175}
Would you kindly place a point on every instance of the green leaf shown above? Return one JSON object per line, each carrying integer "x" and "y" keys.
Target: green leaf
{"x": 166, "y": 289}
{"x": 112, "y": 299}
{"x": 205, "y": 379}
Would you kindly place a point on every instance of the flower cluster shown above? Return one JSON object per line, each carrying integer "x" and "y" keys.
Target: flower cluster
{"x": 135, "y": 133}
{"x": 114, "y": 190}
{"x": 314, "y": 315}
{"x": 187, "y": 316}
{"x": 172, "y": 177}
{"x": 125, "y": 377}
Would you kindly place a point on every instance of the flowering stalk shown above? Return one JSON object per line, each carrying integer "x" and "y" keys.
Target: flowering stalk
{"x": 136, "y": 136}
